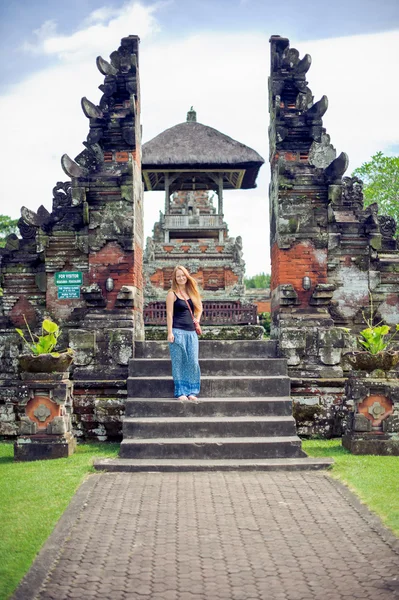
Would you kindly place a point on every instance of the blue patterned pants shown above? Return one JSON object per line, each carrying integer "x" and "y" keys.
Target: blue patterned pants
{"x": 185, "y": 368}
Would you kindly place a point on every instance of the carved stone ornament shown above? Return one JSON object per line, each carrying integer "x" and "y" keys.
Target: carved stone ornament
{"x": 28, "y": 232}
{"x": 387, "y": 226}
{"x": 42, "y": 412}
{"x": 62, "y": 194}
{"x": 376, "y": 410}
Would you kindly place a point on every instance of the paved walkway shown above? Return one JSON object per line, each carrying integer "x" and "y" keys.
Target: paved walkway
{"x": 232, "y": 536}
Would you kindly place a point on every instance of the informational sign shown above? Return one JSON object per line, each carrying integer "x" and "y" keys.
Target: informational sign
{"x": 69, "y": 278}
{"x": 68, "y": 292}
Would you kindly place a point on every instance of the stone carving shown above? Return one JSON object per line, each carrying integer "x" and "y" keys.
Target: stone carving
{"x": 71, "y": 168}
{"x": 387, "y": 226}
{"x": 28, "y": 232}
{"x": 337, "y": 168}
{"x": 62, "y": 194}
{"x": 376, "y": 410}
{"x": 42, "y": 412}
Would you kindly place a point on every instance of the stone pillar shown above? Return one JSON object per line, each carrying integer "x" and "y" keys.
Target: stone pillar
{"x": 303, "y": 165}
{"x": 45, "y": 428}
{"x": 374, "y": 422}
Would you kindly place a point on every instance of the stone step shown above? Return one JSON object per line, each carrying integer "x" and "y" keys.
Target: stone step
{"x": 200, "y": 427}
{"x": 211, "y": 366}
{"x": 213, "y": 348}
{"x": 132, "y": 465}
{"x": 234, "y": 407}
{"x": 220, "y": 448}
{"x": 212, "y": 386}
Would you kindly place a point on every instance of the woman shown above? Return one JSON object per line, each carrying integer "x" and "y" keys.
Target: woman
{"x": 182, "y": 337}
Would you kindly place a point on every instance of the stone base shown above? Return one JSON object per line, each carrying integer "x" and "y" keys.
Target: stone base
{"x": 43, "y": 447}
{"x": 382, "y": 445}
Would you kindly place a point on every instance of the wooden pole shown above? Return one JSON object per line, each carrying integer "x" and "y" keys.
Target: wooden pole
{"x": 220, "y": 195}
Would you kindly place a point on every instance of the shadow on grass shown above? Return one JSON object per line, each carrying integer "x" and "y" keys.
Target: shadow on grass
{"x": 6, "y": 459}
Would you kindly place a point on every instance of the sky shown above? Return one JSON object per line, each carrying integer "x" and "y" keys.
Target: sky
{"x": 212, "y": 54}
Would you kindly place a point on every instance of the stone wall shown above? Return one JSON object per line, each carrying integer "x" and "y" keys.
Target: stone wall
{"x": 96, "y": 228}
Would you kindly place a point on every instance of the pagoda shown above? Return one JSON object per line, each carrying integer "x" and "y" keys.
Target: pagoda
{"x": 193, "y": 164}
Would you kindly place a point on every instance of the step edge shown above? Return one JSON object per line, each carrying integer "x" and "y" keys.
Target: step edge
{"x": 217, "y": 419}
{"x": 213, "y": 440}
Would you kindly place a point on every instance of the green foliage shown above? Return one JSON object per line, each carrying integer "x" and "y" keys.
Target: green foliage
{"x": 33, "y": 496}
{"x": 45, "y": 343}
{"x": 374, "y": 479}
{"x": 7, "y": 226}
{"x": 259, "y": 281}
{"x": 381, "y": 183}
{"x": 265, "y": 320}
{"x": 374, "y": 338}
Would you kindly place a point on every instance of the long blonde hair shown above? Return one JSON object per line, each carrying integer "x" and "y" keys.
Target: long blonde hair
{"x": 191, "y": 288}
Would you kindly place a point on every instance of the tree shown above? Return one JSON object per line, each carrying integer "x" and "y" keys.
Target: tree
{"x": 259, "y": 281}
{"x": 381, "y": 183}
{"x": 7, "y": 226}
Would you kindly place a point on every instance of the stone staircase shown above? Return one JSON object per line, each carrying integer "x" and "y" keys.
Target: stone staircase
{"x": 242, "y": 421}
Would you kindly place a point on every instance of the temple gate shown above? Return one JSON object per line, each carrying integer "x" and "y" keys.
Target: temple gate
{"x": 328, "y": 251}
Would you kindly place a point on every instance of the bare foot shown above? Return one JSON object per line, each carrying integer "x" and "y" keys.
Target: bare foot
{"x": 183, "y": 398}
{"x": 193, "y": 398}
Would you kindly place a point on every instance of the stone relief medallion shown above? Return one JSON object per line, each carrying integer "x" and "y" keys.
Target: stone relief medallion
{"x": 376, "y": 408}
{"x": 42, "y": 410}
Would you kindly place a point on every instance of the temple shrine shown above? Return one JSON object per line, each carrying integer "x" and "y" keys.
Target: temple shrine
{"x": 193, "y": 164}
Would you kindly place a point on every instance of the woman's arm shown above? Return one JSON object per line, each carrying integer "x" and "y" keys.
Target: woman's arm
{"x": 170, "y": 300}
{"x": 198, "y": 313}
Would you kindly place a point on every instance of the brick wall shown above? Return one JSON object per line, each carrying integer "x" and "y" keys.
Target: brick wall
{"x": 291, "y": 265}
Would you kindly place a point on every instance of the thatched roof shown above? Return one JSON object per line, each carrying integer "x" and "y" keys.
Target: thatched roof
{"x": 196, "y": 146}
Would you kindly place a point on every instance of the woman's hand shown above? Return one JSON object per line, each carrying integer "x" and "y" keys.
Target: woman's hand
{"x": 171, "y": 338}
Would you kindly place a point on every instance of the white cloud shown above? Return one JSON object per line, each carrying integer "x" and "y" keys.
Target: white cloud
{"x": 223, "y": 75}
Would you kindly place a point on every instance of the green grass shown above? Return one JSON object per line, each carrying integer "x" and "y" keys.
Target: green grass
{"x": 33, "y": 496}
{"x": 374, "y": 479}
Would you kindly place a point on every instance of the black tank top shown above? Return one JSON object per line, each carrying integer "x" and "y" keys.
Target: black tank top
{"x": 182, "y": 318}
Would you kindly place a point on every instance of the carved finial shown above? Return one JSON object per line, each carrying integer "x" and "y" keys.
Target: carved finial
{"x": 191, "y": 116}
{"x": 337, "y": 168}
{"x": 30, "y": 217}
{"x": 105, "y": 67}
{"x": 91, "y": 110}
{"x": 318, "y": 109}
{"x": 71, "y": 168}
{"x": 304, "y": 65}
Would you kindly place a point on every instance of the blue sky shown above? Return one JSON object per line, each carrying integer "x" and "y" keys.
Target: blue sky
{"x": 302, "y": 20}
{"x": 212, "y": 54}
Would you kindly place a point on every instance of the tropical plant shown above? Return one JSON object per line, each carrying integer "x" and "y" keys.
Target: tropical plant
{"x": 44, "y": 343}
{"x": 375, "y": 338}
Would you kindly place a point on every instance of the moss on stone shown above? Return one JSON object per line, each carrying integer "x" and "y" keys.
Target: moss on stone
{"x": 303, "y": 413}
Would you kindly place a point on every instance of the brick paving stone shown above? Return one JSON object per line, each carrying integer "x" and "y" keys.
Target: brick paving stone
{"x": 223, "y": 536}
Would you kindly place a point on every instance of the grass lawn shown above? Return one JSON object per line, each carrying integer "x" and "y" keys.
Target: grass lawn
{"x": 33, "y": 496}
{"x": 374, "y": 479}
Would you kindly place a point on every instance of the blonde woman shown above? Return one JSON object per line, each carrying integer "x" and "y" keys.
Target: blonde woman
{"x": 182, "y": 337}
